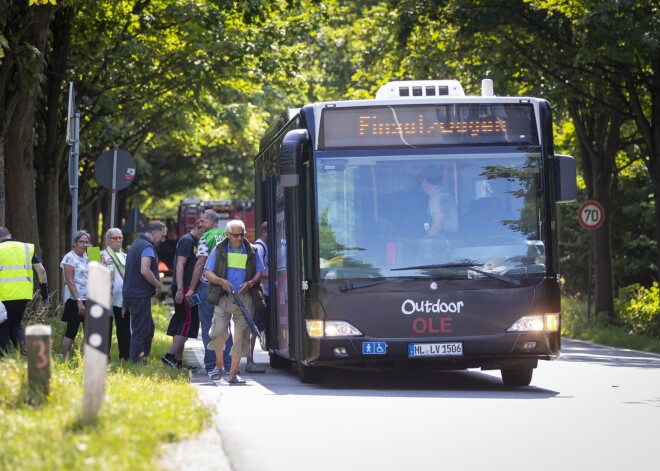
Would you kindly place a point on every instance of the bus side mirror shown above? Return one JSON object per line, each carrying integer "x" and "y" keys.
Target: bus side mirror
{"x": 292, "y": 148}
{"x": 565, "y": 175}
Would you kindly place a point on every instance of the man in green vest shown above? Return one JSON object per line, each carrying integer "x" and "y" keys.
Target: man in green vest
{"x": 234, "y": 267}
{"x": 17, "y": 260}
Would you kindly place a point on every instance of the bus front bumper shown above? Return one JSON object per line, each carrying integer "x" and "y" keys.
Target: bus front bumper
{"x": 507, "y": 350}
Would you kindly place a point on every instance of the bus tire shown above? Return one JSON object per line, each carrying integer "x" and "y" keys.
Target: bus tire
{"x": 277, "y": 362}
{"x": 517, "y": 376}
{"x": 310, "y": 374}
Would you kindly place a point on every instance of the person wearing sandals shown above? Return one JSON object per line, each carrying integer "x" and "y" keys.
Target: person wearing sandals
{"x": 74, "y": 265}
{"x": 114, "y": 258}
{"x": 238, "y": 269}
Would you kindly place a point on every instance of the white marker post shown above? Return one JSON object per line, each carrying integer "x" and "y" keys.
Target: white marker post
{"x": 97, "y": 338}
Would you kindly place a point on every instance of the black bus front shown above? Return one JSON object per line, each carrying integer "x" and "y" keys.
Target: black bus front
{"x": 420, "y": 252}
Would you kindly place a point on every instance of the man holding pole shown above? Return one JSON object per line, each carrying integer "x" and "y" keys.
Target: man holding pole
{"x": 235, "y": 267}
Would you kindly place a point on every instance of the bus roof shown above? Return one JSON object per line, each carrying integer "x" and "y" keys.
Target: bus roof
{"x": 412, "y": 92}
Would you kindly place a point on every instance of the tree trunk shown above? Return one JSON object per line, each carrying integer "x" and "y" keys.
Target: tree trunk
{"x": 27, "y": 36}
{"x": 52, "y": 152}
{"x": 656, "y": 213}
{"x": 2, "y": 180}
{"x": 598, "y": 131}
{"x": 647, "y": 119}
{"x": 604, "y": 281}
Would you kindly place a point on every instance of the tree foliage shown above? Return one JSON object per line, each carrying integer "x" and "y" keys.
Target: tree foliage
{"x": 187, "y": 87}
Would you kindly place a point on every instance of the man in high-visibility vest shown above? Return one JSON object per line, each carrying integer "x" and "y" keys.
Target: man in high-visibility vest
{"x": 17, "y": 260}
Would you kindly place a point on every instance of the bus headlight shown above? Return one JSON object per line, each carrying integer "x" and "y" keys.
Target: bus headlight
{"x": 319, "y": 329}
{"x": 536, "y": 323}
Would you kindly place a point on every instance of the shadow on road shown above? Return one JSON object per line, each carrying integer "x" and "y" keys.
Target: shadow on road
{"x": 465, "y": 384}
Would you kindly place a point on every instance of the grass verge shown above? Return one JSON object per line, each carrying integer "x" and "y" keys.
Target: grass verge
{"x": 145, "y": 406}
{"x": 575, "y": 324}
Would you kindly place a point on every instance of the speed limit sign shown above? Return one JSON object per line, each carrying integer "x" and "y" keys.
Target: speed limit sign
{"x": 591, "y": 214}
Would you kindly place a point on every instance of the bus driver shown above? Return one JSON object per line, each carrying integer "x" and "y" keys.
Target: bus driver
{"x": 442, "y": 207}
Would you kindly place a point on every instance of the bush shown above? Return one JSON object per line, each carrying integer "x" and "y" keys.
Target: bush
{"x": 638, "y": 308}
{"x": 598, "y": 328}
{"x": 40, "y": 312}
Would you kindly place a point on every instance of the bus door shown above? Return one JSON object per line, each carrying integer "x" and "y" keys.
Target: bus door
{"x": 280, "y": 296}
{"x": 291, "y": 221}
{"x": 288, "y": 298}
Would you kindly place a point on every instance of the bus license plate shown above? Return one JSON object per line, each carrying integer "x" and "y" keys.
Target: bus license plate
{"x": 435, "y": 349}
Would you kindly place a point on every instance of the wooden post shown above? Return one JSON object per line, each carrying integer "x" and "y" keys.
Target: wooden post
{"x": 97, "y": 333}
{"x": 37, "y": 344}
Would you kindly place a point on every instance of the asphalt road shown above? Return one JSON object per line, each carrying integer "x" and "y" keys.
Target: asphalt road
{"x": 596, "y": 408}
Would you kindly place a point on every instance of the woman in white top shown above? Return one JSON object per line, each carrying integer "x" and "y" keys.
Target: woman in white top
{"x": 74, "y": 265}
{"x": 114, "y": 258}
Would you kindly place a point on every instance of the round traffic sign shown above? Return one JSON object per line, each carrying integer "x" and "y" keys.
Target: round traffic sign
{"x": 125, "y": 172}
{"x": 591, "y": 214}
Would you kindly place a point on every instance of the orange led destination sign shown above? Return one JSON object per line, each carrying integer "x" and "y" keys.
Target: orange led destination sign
{"x": 371, "y": 125}
{"x": 427, "y": 125}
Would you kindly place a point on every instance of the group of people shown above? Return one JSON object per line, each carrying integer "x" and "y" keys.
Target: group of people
{"x": 211, "y": 263}
{"x": 74, "y": 266}
{"x": 208, "y": 260}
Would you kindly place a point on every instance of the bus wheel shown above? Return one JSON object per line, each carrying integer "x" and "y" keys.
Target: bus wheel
{"x": 517, "y": 376}
{"x": 310, "y": 374}
{"x": 278, "y": 363}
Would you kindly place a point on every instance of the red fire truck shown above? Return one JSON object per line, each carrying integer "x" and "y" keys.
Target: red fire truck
{"x": 189, "y": 211}
{"x": 191, "y": 208}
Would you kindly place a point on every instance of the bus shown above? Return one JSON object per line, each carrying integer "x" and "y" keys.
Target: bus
{"x": 362, "y": 275}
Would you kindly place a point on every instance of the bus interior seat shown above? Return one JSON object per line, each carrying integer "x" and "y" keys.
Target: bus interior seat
{"x": 483, "y": 216}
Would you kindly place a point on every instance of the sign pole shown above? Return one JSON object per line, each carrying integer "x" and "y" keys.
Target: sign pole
{"x": 114, "y": 170}
{"x": 591, "y": 215}
{"x": 590, "y": 273}
{"x": 75, "y": 158}
{"x": 114, "y": 186}
{"x": 73, "y": 137}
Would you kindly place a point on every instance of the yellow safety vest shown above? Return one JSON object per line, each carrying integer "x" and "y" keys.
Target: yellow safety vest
{"x": 16, "y": 270}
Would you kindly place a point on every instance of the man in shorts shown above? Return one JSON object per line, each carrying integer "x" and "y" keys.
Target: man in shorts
{"x": 185, "y": 321}
{"x": 238, "y": 270}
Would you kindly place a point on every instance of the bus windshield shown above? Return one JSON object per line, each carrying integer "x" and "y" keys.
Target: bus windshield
{"x": 431, "y": 215}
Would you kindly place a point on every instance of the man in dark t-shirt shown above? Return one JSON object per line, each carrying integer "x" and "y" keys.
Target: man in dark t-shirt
{"x": 141, "y": 283}
{"x": 185, "y": 321}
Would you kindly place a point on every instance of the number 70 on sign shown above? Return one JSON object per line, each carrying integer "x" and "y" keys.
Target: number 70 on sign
{"x": 591, "y": 214}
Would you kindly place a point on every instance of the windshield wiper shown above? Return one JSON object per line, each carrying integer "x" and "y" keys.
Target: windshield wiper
{"x": 506, "y": 279}
{"x": 364, "y": 284}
